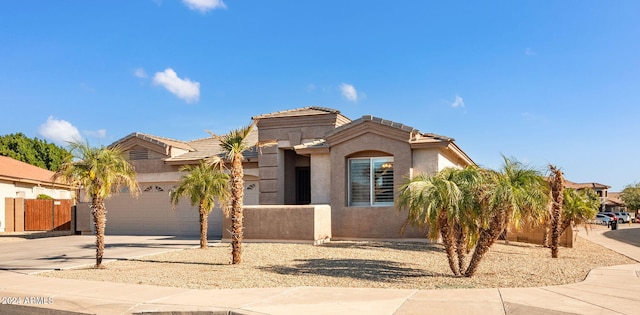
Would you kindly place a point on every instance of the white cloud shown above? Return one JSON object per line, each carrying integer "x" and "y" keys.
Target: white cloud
{"x": 140, "y": 73}
{"x": 349, "y": 92}
{"x": 59, "y": 131}
{"x": 529, "y": 52}
{"x": 100, "y": 133}
{"x": 459, "y": 102}
{"x": 204, "y": 5}
{"x": 185, "y": 89}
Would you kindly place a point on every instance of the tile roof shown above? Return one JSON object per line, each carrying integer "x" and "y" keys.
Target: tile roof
{"x": 303, "y": 111}
{"x": 207, "y": 147}
{"x": 570, "y": 184}
{"x": 417, "y": 136}
{"x": 165, "y": 142}
{"x": 320, "y": 143}
{"x": 366, "y": 118}
{"x": 18, "y": 170}
{"x": 614, "y": 198}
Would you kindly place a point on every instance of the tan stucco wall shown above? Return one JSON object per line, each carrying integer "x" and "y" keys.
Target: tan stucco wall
{"x": 320, "y": 179}
{"x": 308, "y": 223}
{"x": 84, "y": 220}
{"x": 444, "y": 162}
{"x": 425, "y": 161}
{"x": 287, "y": 132}
{"x": 153, "y": 166}
{"x": 368, "y": 222}
{"x": 536, "y": 236}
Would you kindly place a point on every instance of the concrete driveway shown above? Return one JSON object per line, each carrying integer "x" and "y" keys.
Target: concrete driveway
{"x": 45, "y": 254}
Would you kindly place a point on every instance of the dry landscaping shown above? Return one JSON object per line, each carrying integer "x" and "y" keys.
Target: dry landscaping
{"x": 370, "y": 264}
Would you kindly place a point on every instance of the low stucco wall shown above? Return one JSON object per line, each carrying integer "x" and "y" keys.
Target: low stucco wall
{"x": 308, "y": 223}
{"x": 84, "y": 219}
{"x": 536, "y": 236}
{"x": 373, "y": 223}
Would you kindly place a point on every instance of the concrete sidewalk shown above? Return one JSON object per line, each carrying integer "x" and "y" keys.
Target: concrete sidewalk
{"x": 608, "y": 290}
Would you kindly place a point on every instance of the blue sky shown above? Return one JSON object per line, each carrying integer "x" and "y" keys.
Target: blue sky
{"x": 542, "y": 81}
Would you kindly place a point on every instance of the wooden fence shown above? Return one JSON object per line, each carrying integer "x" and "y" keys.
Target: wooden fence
{"x": 47, "y": 215}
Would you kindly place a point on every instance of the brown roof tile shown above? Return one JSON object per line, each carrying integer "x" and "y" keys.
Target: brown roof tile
{"x": 165, "y": 142}
{"x": 304, "y": 111}
{"x": 23, "y": 171}
{"x": 570, "y": 184}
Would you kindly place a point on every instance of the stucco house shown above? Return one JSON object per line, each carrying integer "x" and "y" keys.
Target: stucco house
{"x": 19, "y": 181}
{"x": 326, "y": 176}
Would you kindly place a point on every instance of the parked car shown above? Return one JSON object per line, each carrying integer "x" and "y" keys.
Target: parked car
{"x": 610, "y": 214}
{"x": 603, "y": 219}
{"x": 623, "y": 217}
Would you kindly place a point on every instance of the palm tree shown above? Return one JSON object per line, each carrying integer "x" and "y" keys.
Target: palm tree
{"x": 445, "y": 202}
{"x": 579, "y": 207}
{"x": 556, "y": 182}
{"x": 233, "y": 145}
{"x": 204, "y": 185}
{"x": 515, "y": 193}
{"x": 100, "y": 172}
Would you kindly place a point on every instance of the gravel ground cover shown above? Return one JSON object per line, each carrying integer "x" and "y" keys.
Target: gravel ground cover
{"x": 368, "y": 264}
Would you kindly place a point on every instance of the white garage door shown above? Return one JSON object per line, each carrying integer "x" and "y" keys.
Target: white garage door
{"x": 151, "y": 214}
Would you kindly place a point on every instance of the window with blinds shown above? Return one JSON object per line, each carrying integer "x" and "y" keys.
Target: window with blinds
{"x": 371, "y": 181}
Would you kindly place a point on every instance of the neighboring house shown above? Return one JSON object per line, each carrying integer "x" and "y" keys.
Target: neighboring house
{"x": 344, "y": 174}
{"x": 601, "y": 190}
{"x": 22, "y": 180}
{"x": 614, "y": 203}
{"x": 535, "y": 235}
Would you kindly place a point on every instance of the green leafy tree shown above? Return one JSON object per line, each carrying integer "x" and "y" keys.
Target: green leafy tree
{"x": 100, "y": 172}
{"x": 33, "y": 151}
{"x": 203, "y": 185}
{"x": 631, "y": 196}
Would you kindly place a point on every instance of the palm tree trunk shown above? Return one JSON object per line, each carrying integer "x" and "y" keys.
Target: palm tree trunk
{"x": 545, "y": 237}
{"x": 448, "y": 242}
{"x": 237, "y": 192}
{"x": 486, "y": 239}
{"x": 204, "y": 225}
{"x": 99, "y": 219}
{"x": 461, "y": 246}
{"x": 557, "y": 186}
{"x": 566, "y": 223}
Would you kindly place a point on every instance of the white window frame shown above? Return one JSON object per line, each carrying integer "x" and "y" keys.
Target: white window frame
{"x": 372, "y": 202}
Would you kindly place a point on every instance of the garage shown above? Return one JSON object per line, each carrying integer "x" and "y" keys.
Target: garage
{"x": 151, "y": 214}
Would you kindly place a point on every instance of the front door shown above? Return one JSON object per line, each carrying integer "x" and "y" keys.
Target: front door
{"x": 303, "y": 185}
